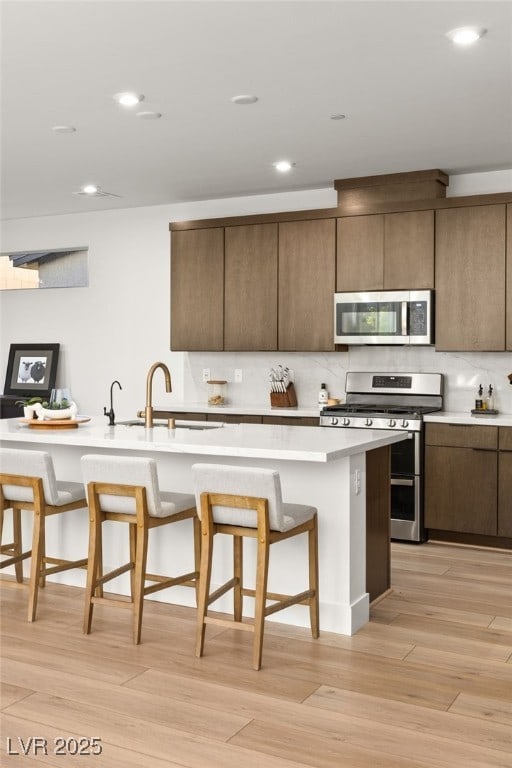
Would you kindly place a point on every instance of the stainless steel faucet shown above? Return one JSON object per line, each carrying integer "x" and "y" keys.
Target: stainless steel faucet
{"x": 148, "y": 411}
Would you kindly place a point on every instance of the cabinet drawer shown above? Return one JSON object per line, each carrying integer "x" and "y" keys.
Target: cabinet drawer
{"x": 462, "y": 436}
{"x": 180, "y": 416}
{"x": 234, "y": 418}
{"x": 505, "y": 438}
{"x": 292, "y": 421}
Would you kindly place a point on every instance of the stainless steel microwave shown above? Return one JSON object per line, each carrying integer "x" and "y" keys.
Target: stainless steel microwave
{"x": 384, "y": 317}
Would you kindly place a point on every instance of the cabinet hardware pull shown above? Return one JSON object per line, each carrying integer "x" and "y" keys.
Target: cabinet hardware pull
{"x": 396, "y": 481}
{"x": 485, "y": 450}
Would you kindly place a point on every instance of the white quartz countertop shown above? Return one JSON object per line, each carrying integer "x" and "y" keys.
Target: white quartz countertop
{"x": 461, "y": 417}
{"x": 264, "y": 441}
{"x": 257, "y": 410}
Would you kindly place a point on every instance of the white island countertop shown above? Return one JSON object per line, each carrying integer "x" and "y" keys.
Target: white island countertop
{"x": 262, "y": 441}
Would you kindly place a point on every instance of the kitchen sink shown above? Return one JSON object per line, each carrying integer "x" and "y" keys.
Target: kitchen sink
{"x": 162, "y": 423}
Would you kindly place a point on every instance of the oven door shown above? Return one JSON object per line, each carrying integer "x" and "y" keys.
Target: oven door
{"x": 406, "y": 524}
{"x": 406, "y": 489}
{"x": 379, "y": 317}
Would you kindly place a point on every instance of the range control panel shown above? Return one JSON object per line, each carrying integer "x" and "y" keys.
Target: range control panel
{"x": 392, "y": 382}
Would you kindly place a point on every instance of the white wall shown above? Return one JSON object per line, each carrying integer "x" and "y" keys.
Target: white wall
{"x": 119, "y": 325}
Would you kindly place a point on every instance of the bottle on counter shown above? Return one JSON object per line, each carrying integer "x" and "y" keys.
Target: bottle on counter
{"x": 490, "y": 398}
{"x": 323, "y": 395}
{"x": 479, "y": 402}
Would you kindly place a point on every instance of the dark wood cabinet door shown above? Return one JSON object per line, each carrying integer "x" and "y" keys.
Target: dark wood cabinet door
{"x": 360, "y": 253}
{"x": 505, "y": 494}
{"x": 409, "y": 250}
{"x": 461, "y": 488}
{"x": 307, "y": 253}
{"x": 509, "y": 279}
{"x": 250, "y": 297}
{"x": 470, "y": 278}
{"x": 505, "y": 483}
{"x": 197, "y": 289}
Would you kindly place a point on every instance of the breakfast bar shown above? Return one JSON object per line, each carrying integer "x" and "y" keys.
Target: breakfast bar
{"x": 318, "y": 466}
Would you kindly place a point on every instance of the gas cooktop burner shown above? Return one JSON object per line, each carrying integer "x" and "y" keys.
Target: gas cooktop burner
{"x": 410, "y": 410}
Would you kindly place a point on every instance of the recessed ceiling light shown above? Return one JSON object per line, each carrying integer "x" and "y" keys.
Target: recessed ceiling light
{"x": 338, "y": 116}
{"x": 91, "y": 190}
{"x": 128, "y": 99}
{"x": 466, "y": 35}
{"x": 244, "y": 99}
{"x": 149, "y": 115}
{"x": 283, "y": 166}
{"x": 63, "y": 129}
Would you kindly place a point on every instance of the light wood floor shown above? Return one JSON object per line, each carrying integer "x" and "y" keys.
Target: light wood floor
{"x": 428, "y": 682}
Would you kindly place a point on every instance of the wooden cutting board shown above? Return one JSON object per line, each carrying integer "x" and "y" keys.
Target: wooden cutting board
{"x": 55, "y": 423}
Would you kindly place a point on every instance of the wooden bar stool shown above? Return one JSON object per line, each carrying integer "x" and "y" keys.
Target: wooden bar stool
{"x": 246, "y": 501}
{"x": 27, "y": 481}
{"x": 125, "y": 489}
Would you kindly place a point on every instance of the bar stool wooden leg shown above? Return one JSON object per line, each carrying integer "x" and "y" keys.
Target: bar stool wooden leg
{"x": 16, "y": 530}
{"x": 205, "y": 575}
{"x": 132, "y": 532}
{"x": 261, "y": 598}
{"x": 314, "y": 611}
{"x": 36, "y": 563}
{"x": 238, "y": 570}
{"x": 42, "y": 573}
{"x": 197, "y": 552}
{"x": 94, "y": 567}
{"x": 140, "y": 569}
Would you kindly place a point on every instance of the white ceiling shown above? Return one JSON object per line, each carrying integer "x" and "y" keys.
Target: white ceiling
{"x": 413, "y": 100}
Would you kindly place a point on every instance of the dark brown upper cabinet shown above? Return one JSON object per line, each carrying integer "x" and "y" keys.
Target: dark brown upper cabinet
{"x": 197, "y": 289}
{"x": 250, "y": 291}
{"x": 470, "y": 278}
{"x": 391, "y": 251}
{"x": 307, "y": 256}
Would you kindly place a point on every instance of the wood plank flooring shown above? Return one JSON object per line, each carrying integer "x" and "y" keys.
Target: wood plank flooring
{"x": 427, "y": 683}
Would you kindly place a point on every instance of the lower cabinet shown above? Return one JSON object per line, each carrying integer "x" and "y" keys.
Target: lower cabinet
{"x": 8, "y": 407}
{"x": 505, "y": 482}
{"x": 240, "y": 418}
{"x": 468, "y": 480}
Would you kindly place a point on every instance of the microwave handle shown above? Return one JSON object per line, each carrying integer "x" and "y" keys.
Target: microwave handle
{"x": 404, "y": 318}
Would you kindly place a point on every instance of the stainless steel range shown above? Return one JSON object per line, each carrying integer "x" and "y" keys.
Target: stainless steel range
{"x": 394, "y": 401}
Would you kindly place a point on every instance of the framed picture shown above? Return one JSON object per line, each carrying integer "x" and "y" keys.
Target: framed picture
{"x": 31, "y": 369}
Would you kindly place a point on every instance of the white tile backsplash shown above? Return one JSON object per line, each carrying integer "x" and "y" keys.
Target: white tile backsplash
{"x": 463, "y": 372}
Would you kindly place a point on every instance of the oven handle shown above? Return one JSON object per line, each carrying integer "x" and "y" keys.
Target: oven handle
{"x": 396, "y": 481}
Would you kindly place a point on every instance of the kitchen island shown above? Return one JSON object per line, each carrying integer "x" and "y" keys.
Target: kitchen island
{"x": 319, "y": 466}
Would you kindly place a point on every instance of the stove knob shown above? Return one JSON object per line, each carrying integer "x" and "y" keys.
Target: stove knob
{"x": 333, "y": 421}
{"x": 346, "y": 422}
{"x": 369, "y": 422}
{"x": 391, "y": 423}
{"x": 405, "y": 423}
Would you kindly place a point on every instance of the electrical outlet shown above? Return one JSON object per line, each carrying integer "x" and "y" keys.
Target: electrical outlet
{"x": 291, "y": 374}
{"x": 238, "y": 375}
{"x": 206, "y": 374}
{"x": 357, "y": 482}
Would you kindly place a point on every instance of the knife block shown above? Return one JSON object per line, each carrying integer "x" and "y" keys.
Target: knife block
{"x": 286, "y": 399}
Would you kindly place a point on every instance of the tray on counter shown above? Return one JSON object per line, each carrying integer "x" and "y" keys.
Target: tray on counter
{"x": 55, "y": 423}
{"x": 484, "y": 412}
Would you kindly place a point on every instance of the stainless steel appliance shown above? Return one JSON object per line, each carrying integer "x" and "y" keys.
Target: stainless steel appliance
{"x": 395, "y": 401}
{"x": 384, "y": 317}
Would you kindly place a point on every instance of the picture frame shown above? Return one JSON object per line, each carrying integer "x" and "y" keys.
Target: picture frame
{"x": 31, "y": 370}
